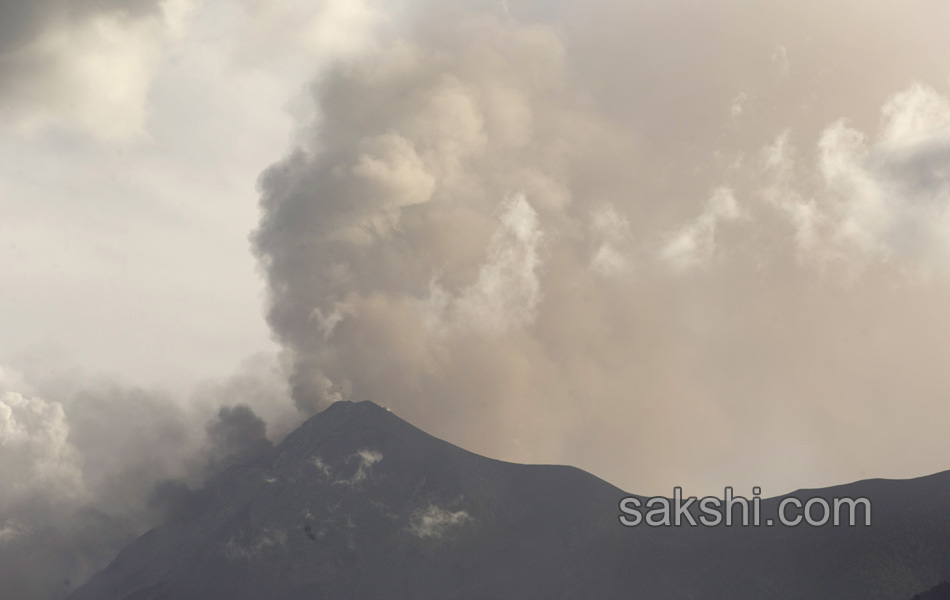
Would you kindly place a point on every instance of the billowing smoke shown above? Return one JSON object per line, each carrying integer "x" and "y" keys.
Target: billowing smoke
{"x": 405, "y": 246}
{"x": 89, "y": 465}
{"x": 673, "y": 243}
{"x": 236, "y": 436}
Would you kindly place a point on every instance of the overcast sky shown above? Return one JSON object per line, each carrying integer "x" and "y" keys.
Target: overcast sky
{"x": 673, "y": 243}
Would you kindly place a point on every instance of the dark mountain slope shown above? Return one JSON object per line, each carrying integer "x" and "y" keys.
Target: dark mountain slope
{"x": 938, "y": 592}
{"x": 359, "y": 504}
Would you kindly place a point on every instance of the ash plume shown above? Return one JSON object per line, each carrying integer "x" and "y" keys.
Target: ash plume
{"x": 601, "y": 235}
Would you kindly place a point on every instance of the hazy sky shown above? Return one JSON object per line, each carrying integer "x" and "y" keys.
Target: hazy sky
{"x": 673, "y": 243}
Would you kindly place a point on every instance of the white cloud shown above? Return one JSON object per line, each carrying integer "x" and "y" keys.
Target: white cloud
{"x": 436, "y": 522}
{"x": 318, "y": 31}
{"x": 888, "y": 198}
{"x": 695, "y": 244}
{"x": 807, "y": 219}
{"x": 507, "y": 291}
{"x": 614, "y": 242}
{"x": 35, "y": 452}
{"x": 366, "y": 459}
{"x": 321, "y": 466}
{"x": 914, "y": 116}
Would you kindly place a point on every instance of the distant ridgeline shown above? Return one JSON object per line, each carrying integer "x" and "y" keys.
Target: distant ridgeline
{"x": 939, "y": 592}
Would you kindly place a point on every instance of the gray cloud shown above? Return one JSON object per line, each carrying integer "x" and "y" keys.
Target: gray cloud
{"x": 23, "y": 22}
{"x": 236, "y": 436}
{"x": 89, "y": 465}
{"x": 82, "y": 65}
{"x": 77, "y": 473}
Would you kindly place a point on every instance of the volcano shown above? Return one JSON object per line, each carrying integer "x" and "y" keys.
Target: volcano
{"x": 359, "y": 504}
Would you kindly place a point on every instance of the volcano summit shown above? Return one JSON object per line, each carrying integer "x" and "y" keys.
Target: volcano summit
{"x": 359, "y": 504}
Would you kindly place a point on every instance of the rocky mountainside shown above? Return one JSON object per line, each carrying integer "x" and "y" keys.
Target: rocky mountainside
{"x": 358, "y": 504}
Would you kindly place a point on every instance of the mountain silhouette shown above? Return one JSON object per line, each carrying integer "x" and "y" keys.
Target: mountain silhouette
{"x": 938, "y": 592}
{"x": 359, "y": 504}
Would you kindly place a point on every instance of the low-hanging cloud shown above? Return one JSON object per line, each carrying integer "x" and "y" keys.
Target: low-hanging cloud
{"x": 36, "y": 450}
{"x": 88, "y": 465}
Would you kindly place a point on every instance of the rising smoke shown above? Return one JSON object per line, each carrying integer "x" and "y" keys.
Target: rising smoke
{"x": 651, "y": 240}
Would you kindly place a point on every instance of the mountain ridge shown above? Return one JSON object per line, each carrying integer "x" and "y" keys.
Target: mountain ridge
{"x": 358, "y": 503}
